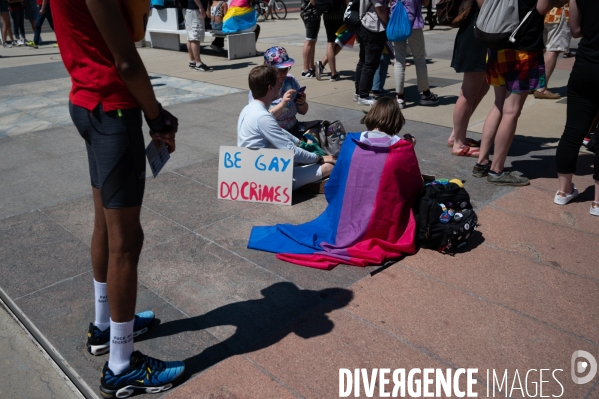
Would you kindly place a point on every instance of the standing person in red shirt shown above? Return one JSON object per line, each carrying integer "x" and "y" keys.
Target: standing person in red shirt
{"x": 44, "y": 12}
{"x": 111, "y": 89}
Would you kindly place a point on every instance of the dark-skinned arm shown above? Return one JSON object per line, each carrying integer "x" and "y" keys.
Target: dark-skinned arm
{"x": 111, "y": 24}
{"x": 575, "y": 20}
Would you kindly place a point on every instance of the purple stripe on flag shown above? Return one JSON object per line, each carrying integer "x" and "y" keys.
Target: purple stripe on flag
{"x": 365, "y": 172}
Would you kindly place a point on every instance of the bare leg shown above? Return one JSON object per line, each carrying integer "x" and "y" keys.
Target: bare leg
{"x": 512, "y": 108}
{"x": 474, "y": 88}
{"x": 491, "y": 125}
{"x": 331, "y": 58}
{"x": 193, "y": 49}
{"x": 308, "y": 54}
{"x": 550, "y": 62}
{"x": 99, "y": 246}
{"x": 125, "y": 240}
{"x": 325, "y": 60}
{"x": 565, "y": 182}
{"x": 6, "y": 29}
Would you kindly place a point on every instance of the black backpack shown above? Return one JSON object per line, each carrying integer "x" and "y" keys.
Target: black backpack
{"x": 351, "y": 17}
{"x": 451, "y": 203}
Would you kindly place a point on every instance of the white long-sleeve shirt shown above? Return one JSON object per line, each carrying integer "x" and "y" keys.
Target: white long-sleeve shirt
{"x": 258, "y": 128}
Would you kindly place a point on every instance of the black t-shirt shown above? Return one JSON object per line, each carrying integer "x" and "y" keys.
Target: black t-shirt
{"x": 530, "y": 35}
{"x": 191, "y": 5}
{"x": 588, "y": 48}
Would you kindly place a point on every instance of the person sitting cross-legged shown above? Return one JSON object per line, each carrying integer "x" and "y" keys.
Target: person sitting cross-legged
{"x": 258, "y": 128}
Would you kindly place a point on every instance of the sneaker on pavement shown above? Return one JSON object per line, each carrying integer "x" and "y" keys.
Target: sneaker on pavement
{"x": 144, "y": 373}
{"x": 192, "y": 64}
{"x": 595, "y": 208}
{"x": 203, "y": 68}
{"x": 98, "y": 342}
{"x": 563, "y": 198}
{"x": 481, "y": 171}
{"x": 546, "y": 95}
{"x": 216, "y": 48}
{"x": 401, "y": 103}
{"x": 431, "y": 99}
{"x": 335, "y": 78}
{"x": 6, "y": 45}
{"x": 31, "y": 44}
{"x": 507, "y": 178}
{"x": 20, "y": 42}
{"x": 366, "y": 101}
{"x": 356, "y": 97}
{"x": 318, "y": 70}
{"x": 380, "y": 92}
{"x": 309, "y": 74}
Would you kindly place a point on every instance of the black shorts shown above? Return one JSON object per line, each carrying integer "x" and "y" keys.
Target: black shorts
{"x": 312, "y": 24}
{"x": 332, "y": 26}
{"x": 115, "y": 152}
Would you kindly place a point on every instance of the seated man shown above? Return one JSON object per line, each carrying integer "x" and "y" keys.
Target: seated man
{"x": 257, "y": 128}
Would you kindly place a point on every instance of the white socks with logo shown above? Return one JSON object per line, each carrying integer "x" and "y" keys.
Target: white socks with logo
{"x": 102, "y": 310}
{"x": 121, "y": 346}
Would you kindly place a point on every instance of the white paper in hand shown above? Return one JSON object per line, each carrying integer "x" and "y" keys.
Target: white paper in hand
{"x": 157, "y": 157}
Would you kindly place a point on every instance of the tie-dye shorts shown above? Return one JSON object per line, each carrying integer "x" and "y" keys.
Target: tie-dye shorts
{"x": 521, "y": 71}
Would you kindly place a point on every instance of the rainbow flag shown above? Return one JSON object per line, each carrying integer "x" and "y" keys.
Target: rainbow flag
{"x": 369, "y": 217}
{"x": 240, "y": 16}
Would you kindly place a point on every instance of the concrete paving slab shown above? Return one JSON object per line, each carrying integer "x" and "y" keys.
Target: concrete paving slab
{"x": 25, "y": 370}
{"x": 463, "y": 329}
{"x": 519, "y": 233}
{"x": 216, "y": 299}
{"x": 555, "y": 298}
{"x": 235, "y": 377}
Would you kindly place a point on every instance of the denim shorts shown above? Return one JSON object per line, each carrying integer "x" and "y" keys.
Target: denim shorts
{"x": 115, "y": 152}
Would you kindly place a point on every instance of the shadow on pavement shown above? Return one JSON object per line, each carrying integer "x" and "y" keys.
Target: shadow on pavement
{"x": 269, "y": 312}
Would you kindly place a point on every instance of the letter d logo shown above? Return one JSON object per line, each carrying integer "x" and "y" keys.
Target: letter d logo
{"x": 581, "y": 366}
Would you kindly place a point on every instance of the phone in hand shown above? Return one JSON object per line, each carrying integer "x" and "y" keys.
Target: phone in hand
{"x": 299, "y": 92}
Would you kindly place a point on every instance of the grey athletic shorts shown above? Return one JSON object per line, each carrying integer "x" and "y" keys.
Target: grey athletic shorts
{"x": 115, "y": 152}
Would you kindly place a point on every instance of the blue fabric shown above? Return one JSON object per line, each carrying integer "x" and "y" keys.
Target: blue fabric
{"x": 380, "y": 75}
{"x": 301, "y": 239}
{"x": 239, "y": 23}
{"x": 399, "y": 27}
{"x": 157, "y": 3}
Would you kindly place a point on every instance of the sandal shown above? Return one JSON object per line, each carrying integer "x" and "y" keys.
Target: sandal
{"x": 467, "y": 151}
{"x": 469, "y": 142}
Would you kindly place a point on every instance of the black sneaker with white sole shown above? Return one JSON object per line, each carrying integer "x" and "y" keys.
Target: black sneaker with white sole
{"x": 192, "y": 64}
{"x": 431, "y": 99}
{"x": 335, "y": 78}
{"x": 203, "y": 68}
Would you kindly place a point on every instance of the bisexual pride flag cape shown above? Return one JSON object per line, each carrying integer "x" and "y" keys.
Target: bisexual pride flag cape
{"x": 369, "y": 216}
{"x": 239, "y": 17}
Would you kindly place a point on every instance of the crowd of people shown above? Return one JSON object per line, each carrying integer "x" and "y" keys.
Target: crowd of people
{"x": 107, "y": 113}
{"x": 35, "y": 11}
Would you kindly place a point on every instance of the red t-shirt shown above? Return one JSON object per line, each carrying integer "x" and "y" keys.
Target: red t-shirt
{"x": 88, "y": 59}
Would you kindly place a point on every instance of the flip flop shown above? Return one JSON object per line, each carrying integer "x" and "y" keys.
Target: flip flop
{"x": 467, "y": 151}
{"x": 469, "y": 142}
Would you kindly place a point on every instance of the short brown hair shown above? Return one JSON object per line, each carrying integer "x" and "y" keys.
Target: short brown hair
{"x": 260, "y": 78}
{"x": 385, "y": 115}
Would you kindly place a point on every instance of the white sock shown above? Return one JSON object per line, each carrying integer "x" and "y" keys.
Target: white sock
{"x": 102, "y": 310}
{"x": 121, "y": 346}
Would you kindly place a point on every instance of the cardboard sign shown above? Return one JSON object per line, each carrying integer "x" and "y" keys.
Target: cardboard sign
{"x": 255, "y": 175}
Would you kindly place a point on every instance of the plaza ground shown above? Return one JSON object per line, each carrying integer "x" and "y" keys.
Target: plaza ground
{"x": 524, "y": 295}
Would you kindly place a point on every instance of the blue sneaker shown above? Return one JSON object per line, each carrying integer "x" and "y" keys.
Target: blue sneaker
{"x": 98, "y": 342}
{"x": 145, "y": 373}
